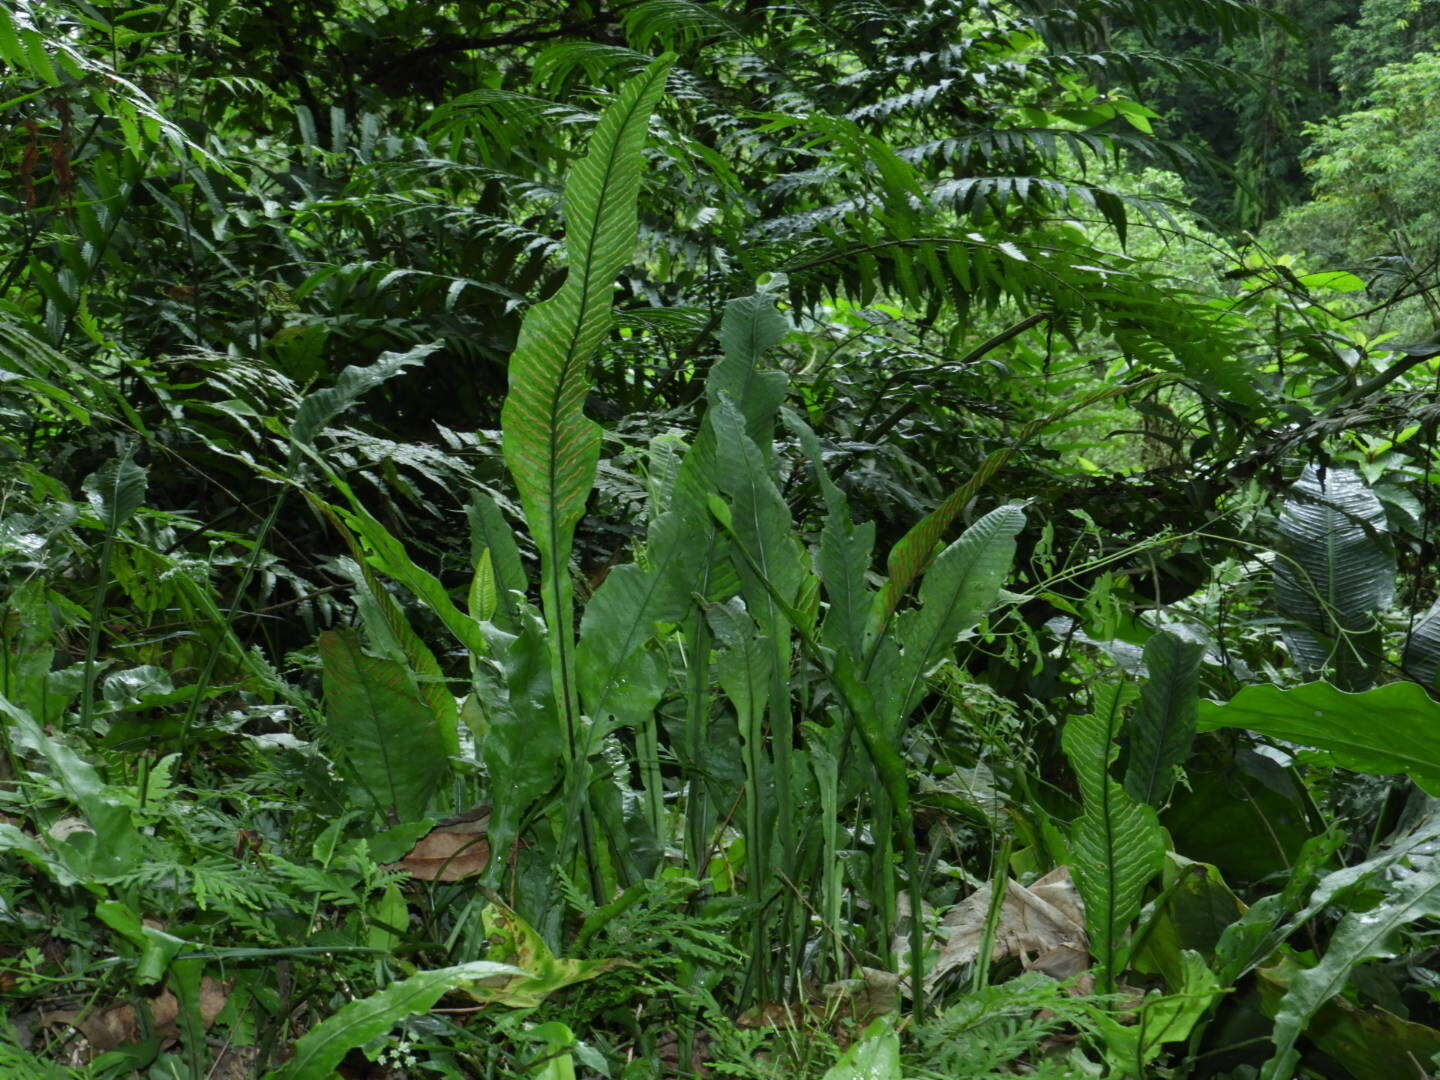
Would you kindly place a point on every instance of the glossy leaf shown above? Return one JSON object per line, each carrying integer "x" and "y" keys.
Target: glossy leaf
{"x": 1368, "y": 1042}
{"x": 1421, "y": 659}
{"x": 551, "y": 446}
{"x": 1335, "y": 573}
{"x": 960, "y": 586}
{"x": 1163, "y": 725}
{"x": 321, "y": 1049}
{"x": 116, "y": 490}
{"x": 1391, "y": 729}
{"x": 1360, "y": 936}
{"x": 875, "y": 1057}
{"x": 1116, "y": 842}
{"x": 380, "y": 726}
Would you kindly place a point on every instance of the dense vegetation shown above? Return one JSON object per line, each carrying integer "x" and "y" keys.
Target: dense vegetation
{"x": 632, "y": 538}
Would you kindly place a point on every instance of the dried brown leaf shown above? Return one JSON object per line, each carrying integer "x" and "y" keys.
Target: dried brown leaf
{"x": 118, "y": 1025}
{"x": 449, "y": 852}
{"x": 1042, "y": 923}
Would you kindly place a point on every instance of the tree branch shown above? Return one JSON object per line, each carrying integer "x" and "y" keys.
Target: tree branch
{"x": 524, "y": 35}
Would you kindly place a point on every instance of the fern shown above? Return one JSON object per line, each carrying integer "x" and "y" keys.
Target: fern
{"x": 657, "y": 909}
{"x": 327, "y": 886}
{"x": 996, "y": 1030}
{"x": 21, "y": 1064}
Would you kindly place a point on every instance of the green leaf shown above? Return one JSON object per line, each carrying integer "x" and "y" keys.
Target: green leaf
{"x": 321, "y": 1049}
{"x": 759, "y": 517}
{"x": 1116, "y": 842}
{"x": 27, "y": 642}
{"x": 1163, "y": 1018}
{"x": 550, "y": 445}
{"x": 1334, "y": 280}
{"x": 39, "y": 58}
{"x": 1368, "y": 1042}
{"x": 875, "y": 1057}
{"x": 773, "y": 575}
{"x": 384, "y": 618}
{"x": 913, "y": 551}
{"x": 388, "y": 555}
{"x": 538, "y": 972}
{"x": 844, "y": 556}
{"x": 1360, "y": 936}
{"x": 489, "y": 531}
{"x": 744, "y": 668}
{"x": 1391, "y": 729}
{"x": 618, "y": 674}
{"x": 10, "y": 48}
{"x": 523, "y": 744}
{"x": 319, "y": 407}
{"x": 1335, "y": 574}
{"x": 380, "y": 726}
{"x": 12, "y": 840}
{"x": 662, "y": 469}
{"x": 1421, "y": 659}
{"x": 958, "y": 589}
{"x": 389, "y": 916}
{"x": 1194, "y": 909}
{"x": 484, "y": 596}
{"x": 116, "y": 490}
{"x": 114, "y": 846}
{"x": 1256, "y": 934}
{"x": 1163, "y": 726}
{"x": 157, "y": 948}
{"x": 751, "y": 325}
{"x": 556, "y": 1061}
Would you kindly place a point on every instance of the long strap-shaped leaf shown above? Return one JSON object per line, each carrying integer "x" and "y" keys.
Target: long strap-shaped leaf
{"x": 1360, "y": 936}
{"x": 1117, "y": 842}
{"x": 319, "y": 1052}
{"x": 1163, "y": 726}
{"x": 551, "y": 446}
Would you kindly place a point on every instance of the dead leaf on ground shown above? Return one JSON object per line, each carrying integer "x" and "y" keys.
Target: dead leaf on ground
{"x": 235, "y": 1063}
{"x": 1042, "y": 923}
{"x": 841, "y": 1008}
{"x": 875, "y": 994}
{"x": 450, "y": 852}
{"x": 667, "y": 1050}
{"x": 118, "y": 1025}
